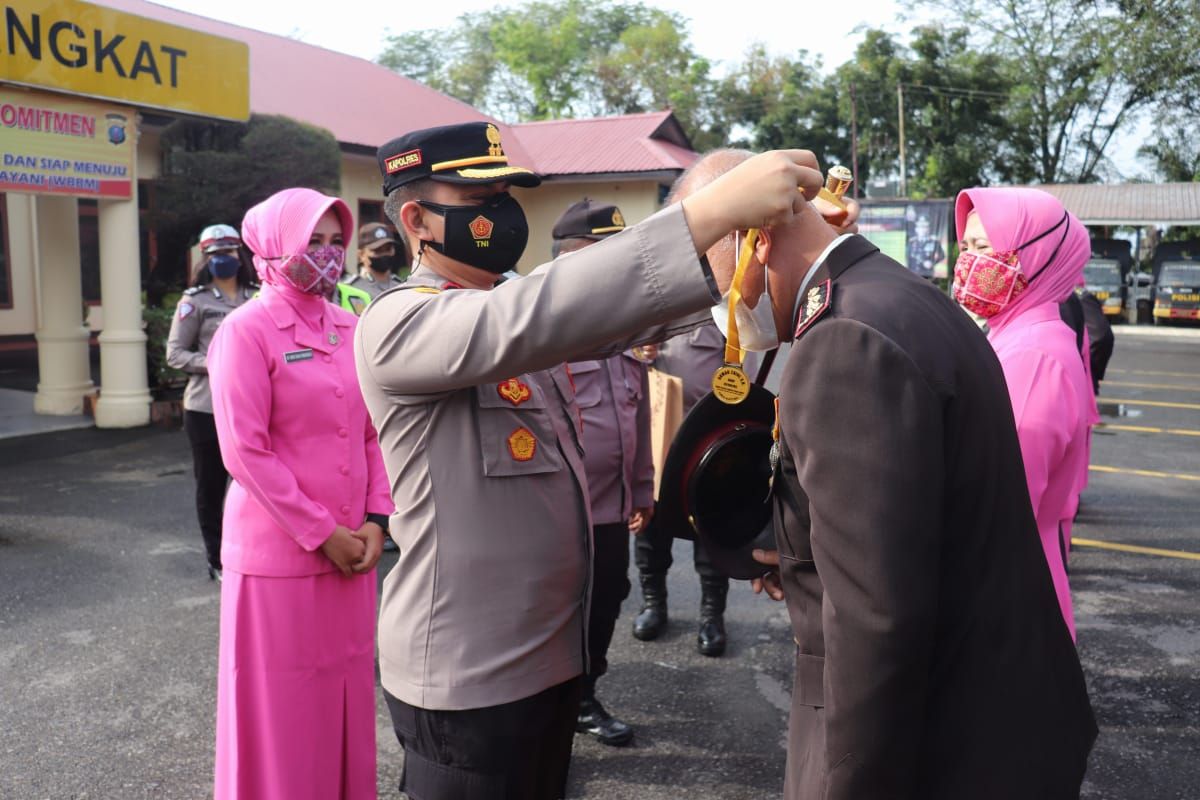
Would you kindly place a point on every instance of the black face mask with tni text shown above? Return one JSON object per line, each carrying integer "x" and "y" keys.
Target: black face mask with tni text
{"x": 491, "y": 236}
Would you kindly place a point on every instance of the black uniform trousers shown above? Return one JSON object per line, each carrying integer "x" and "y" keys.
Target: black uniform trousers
{"x": 515, "y": 751}
{"x": 652, "y": 554}
{"x": 610, "y": 586}
{"x": 211, "y": 480}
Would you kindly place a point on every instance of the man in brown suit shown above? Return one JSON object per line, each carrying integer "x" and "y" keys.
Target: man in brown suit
{"x": 931, "y": 659}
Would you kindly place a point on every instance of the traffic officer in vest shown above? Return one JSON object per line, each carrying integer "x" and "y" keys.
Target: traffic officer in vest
{"x": 224, "y": 281}
{"x": 614, "y": 398}
{"x": 350, "y": 298}
{"x": 467, "y": 385}
{"x": 380, "y": 257}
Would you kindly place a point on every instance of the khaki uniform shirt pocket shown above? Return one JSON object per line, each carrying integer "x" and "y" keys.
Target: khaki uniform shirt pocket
{"x": 631, "y": 372}
{"x": 515, "y": 434}
{"x": 588, "y": 390}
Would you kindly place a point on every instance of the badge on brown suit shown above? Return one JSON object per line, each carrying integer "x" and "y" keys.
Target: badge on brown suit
{"x": 816, "y": 303}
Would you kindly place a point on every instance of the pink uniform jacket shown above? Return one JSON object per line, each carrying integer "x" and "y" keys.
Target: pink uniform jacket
{"x": 1050, "y": 396}
{"x": 294, "y": 432}
{"x": 1051, "y": 392}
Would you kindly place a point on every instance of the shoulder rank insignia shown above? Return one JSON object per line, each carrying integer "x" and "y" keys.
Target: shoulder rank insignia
{"x": 193, "y": 290}
{"x": 522, "y": 445}
{"x": 816, "y": 303}
{"x": 514, "y": 391}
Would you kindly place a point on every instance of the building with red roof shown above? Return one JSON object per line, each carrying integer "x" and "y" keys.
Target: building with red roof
{"x": 157, "y": 64}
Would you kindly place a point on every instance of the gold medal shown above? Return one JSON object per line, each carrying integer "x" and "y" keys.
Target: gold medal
{"x": 730, "y": 384}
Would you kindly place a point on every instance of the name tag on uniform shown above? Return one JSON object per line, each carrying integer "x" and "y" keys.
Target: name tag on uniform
{"x": 298, "y": 355}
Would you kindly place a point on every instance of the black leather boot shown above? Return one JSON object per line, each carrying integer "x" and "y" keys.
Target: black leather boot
{"x": 595, "y": 721}
{"x": 710, "y": 641}
{"x": 651, "y": 621}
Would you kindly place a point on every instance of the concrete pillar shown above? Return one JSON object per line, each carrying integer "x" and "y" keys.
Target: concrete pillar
{"x": 64, "y": 376}
{"x": 124, "y": 397}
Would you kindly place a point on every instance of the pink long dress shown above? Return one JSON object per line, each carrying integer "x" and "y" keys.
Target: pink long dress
{"x": 1050, "y": 395}
{"x": 1048, "y": 382}
{"x": 296, "y": 677}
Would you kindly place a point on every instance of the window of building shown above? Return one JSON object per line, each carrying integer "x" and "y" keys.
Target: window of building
{"x": 89, "y": 250}
{"x": 5, "y": 261}
{"x": 370, "y": 211}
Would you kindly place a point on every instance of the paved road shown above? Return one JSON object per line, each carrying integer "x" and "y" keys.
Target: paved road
{"x": 108, "y": 626}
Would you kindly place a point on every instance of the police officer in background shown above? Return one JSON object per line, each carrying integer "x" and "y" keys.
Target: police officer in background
{"x": 482, "y": 626}
{"x": 693, "y": 358}
{"x": 614, "y": 398}
{"x": 224, "y": 281}
{"x": 380, "y": 258}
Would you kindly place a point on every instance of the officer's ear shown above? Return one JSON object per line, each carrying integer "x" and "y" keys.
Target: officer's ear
{"x": 762, "y": 247}
{"x": 416, "y": 220}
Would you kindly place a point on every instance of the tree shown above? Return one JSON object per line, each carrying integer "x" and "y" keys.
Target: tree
{"x": 215, "y": 171}
{"x": 1081, "y": 71}
{"x": 543, "y": 60}
{"x": 951, "y": 132}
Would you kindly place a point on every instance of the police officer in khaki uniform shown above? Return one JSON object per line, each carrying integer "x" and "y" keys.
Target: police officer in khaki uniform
{"x": 223, "y": 282}
{"x": 482, "y": 631}
{"x": 380, "y": 257}
{"x": 613, "y": 395}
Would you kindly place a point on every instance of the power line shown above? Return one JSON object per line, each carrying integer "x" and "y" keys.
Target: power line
{"x": 955, "y": 90}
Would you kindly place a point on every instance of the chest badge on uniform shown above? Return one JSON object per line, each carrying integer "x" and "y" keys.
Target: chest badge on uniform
{"x": 816, "y": 303}
{"x": 514, "y": 391}
{"x": 333, "y": 338}
{"x": 522, "y": 445}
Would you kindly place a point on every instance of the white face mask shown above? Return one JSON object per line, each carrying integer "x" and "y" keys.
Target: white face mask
{"x": 756, "y": 326}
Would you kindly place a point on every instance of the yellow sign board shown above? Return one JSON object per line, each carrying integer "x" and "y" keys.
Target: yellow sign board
{"x": 80, "y": 48}
{"x": 62, "y": 145}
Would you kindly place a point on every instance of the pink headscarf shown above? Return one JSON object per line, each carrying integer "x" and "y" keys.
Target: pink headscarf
{"x": 1014, "y": 217}
{"x": 282, "y": 224}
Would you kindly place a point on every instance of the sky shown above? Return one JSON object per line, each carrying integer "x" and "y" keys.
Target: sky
{"x": 827, "y": 29}
{"x": 360, "y": 27}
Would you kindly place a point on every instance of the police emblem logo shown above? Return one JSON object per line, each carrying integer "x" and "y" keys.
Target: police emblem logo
{"x": 481, "y": 228}
{"x": 514, "y": 391}
{"x": 730, "y": 384}
{"x": 116, "y": 128}
{"x": 185, "y": 309}
{"x": 816, "y": 303}
{"x": 522, "y": 445}
{"x": 493, "y": 137}
{"x": 618, "y": 219}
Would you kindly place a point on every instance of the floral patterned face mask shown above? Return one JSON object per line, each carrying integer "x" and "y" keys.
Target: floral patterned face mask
{"x": 315, "y": 272}
{"x": 987, "y": 283}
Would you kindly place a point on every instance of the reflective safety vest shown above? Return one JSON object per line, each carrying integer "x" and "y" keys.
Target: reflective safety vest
{"x": 352, "y": 299}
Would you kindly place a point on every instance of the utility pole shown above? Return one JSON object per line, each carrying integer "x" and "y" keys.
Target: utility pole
{"x": 903, "y": 165}
{"x": 854, "y": 139}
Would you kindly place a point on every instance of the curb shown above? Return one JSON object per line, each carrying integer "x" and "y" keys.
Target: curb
{"x": 1155, "y": 332}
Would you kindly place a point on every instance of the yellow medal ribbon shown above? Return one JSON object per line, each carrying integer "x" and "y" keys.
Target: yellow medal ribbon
{"x": 730, "y": 383}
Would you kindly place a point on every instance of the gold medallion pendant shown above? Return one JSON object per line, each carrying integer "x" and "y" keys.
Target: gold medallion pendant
{"x": 730, "y": 384}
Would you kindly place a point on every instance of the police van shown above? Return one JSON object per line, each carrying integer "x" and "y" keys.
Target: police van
{"x": 1176, "y": 291}
{"x": 1106, "y": 275}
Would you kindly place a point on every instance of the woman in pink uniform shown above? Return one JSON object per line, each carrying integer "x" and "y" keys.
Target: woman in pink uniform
{"x": 1021, "y": 255}
{"x": 303, "y": 522}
